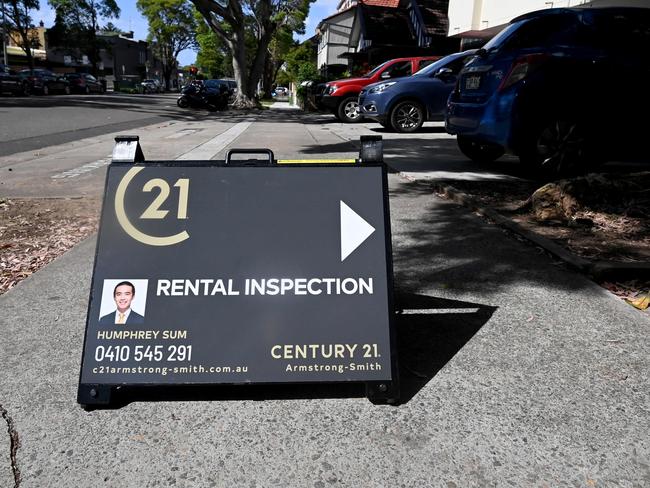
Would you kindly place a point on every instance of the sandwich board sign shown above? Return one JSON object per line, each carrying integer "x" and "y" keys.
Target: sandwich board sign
{"x": 209, "y": 273}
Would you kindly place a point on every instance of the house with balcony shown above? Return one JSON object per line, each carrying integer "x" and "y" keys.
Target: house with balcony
{"x": 364, "y": 33}
{"x": 333, "y": 41}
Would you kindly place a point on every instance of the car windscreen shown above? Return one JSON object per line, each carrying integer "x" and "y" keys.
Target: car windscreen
{"x": 433, "y": 67}
{"x": 213, "y": 84}
{"x": 497, "y": 41}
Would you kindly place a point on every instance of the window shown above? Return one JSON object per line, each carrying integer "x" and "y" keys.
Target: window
{"x": 458, "y": 64}
{"x": 619, "y": 32}
{"x": 544, "y": 31}
{"x": 425, "y": 62}
{"x": 398, "y": 69}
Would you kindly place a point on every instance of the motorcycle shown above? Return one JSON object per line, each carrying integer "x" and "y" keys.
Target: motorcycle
{"x": 203, "y": 97}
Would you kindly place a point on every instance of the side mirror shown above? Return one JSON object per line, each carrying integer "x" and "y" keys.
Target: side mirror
{"x": 443, "y": 73}
{"x": 385, "y": 75}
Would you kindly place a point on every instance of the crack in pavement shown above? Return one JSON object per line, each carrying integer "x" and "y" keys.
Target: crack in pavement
{"x": 14, "y": 443}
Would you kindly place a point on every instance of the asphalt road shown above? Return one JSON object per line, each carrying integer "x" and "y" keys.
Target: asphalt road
{"x": 35, "y": 122}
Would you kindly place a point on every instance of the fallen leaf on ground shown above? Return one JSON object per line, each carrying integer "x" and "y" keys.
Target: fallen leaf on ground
{"x": 642, "y": 302}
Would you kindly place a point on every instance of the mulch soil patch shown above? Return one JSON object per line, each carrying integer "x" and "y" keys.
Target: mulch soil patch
{"x": 615, "y": 228}
{"x": 33, "y": 232}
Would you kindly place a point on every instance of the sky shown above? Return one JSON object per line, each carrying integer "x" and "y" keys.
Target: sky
{"x": 131, "y": 20}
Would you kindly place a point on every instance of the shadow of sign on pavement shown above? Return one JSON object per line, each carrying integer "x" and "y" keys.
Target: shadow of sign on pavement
{"x": 430, "y": 332}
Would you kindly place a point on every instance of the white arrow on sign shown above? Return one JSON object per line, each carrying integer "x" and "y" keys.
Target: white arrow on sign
{"x": 354, "y": 230}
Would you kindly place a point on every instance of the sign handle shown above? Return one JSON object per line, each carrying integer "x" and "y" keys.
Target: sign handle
{"x": 268, "y": 152}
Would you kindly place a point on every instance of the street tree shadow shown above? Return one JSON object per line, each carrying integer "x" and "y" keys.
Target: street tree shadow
{"x": 440, "y": 245}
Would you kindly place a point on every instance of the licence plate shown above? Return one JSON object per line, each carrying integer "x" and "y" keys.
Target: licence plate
{"x": 472, "y": 82}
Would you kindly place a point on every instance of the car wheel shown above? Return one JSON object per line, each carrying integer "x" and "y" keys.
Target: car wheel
{"x": 46, "y": 90}
{"x": 479, "y": 152}
{"x": 407, "y": 116}
{"x": 348, "y": 111}
{"x": 27, "y": 90}
{"x": 558, "y": 147}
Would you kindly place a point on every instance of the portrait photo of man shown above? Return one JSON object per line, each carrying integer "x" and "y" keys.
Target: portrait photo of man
{"x": 124, "y": 298}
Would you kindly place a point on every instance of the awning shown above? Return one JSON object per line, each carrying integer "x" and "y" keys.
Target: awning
{"x": 18, "y": 51}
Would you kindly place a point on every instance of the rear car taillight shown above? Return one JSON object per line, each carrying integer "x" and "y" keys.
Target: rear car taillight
{"x": 521, "y": 68}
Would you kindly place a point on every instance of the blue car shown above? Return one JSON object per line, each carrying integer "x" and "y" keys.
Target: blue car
{"x": 563, "y": 89}
{"x": 404, "y": 104}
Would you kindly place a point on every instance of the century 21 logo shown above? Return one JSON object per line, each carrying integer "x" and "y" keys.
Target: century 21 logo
{"x": 153, "y": 211}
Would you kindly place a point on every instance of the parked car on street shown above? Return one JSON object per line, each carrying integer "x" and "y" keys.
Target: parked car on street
{"x": 44, "y": 82}
{"x": 404, "y": 104}
{"x": 211, "y": 94}
{"x": 84, "y": 83}
{"x": 341, "y": 97}
{"x": 281, "y": 91}
{"x": 220, "y": 86}
{"x": 562, "y": 89}
{"x": 11, "y": 82}
{"x": 151, "y": 86}
{"x": 232, "y": 86}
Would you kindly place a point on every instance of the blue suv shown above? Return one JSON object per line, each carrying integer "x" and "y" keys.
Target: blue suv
{"x": 404, "y": 104}
{"x": 563, "y": 89}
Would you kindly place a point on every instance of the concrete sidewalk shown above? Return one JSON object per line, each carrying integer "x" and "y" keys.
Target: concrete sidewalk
{"x": 515, "y": 372}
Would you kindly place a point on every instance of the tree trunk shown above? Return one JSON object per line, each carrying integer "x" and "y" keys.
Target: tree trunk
{"x": 94, "y": 54}
{"x": 267, "y": 81}
{"x": 23, "y": 31}
{"x": 257, "y": 67}
{"x": 28, "y": 51}
{"x": 245, "y": 93}
{"x": 167, "y": 75}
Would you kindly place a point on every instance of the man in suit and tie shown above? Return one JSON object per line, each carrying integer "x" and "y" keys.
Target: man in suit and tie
{"x": 123, "y": 294}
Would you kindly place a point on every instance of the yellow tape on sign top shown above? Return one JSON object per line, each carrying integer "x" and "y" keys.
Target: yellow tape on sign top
{"x": 316, "y": 161}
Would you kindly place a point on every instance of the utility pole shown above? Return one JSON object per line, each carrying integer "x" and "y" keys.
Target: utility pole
{"x": 4, "y": 33}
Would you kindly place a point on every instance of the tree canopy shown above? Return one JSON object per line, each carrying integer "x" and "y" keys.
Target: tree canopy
{"x": 213, "y": 58}
{"x": 77, "y": 23}
{"x": 172, "y": 28}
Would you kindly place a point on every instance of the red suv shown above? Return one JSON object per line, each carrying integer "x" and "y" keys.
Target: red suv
{"x": 341, "y": 96}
